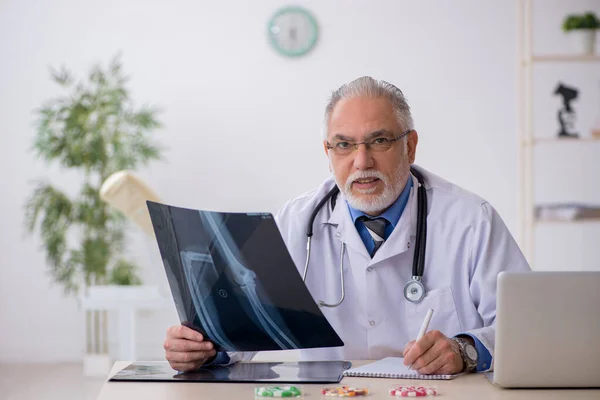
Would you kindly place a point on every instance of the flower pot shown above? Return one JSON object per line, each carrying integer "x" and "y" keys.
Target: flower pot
{"x": 111, "y": 294}
{"x": 124, "y": 301}
{"x": 583, "y": 41}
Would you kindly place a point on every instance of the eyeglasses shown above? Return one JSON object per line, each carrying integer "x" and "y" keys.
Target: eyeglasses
{"x": 379, "y": 144}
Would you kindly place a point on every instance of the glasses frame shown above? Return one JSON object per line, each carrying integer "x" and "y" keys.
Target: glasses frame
{"x": 370, "y": 142}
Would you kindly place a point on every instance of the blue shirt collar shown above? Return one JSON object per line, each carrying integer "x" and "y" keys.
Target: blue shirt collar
{"x": 393, "y": 213}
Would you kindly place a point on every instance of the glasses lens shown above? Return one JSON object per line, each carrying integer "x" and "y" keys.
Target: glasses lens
{"x": 380, "y": 144}
{"x": 342, "y": 148}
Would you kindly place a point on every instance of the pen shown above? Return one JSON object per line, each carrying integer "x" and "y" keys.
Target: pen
{"x": 424, "y": 327}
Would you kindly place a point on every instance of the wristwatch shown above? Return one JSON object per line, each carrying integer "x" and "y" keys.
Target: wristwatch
{"x": 468, "y": 353}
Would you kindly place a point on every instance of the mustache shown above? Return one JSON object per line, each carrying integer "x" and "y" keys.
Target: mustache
{"x": 364, "y": 175}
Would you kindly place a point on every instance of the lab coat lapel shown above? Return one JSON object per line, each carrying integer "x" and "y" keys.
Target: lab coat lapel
{"x": 345, "y": 229}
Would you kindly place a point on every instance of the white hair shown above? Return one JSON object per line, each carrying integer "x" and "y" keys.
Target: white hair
{"x": 369, "y": 87}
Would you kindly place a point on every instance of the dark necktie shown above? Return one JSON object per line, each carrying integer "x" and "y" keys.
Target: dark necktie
{"x": 376, "y": 228}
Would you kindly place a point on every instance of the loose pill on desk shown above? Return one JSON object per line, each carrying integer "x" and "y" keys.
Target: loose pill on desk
{"x": 344, "y": 391}
{"x": 412, "y": 391}
{"x": 277, "y": 391}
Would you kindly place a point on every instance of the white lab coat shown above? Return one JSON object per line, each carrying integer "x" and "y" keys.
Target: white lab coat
{"x": 468, "y": 245}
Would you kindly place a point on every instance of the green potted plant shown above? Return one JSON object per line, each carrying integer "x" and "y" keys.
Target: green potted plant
{"x": 95, "y": 130}
{"x": 581, "y": 29}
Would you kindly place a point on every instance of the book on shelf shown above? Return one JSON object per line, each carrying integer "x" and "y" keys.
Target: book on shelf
{"x": 567, "y": 211}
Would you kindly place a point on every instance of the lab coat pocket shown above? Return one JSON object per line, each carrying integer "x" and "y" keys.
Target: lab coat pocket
{"x": 444, "y": 318}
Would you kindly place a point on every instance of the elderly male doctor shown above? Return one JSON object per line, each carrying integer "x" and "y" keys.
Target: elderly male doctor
{"x": 371, "y": 143}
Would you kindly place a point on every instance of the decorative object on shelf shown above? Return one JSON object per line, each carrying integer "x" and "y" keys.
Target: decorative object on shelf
{"x": 566, "y": 115}
{"x": 293, "y": 31}
{"x": 581, "y": 29}
{"x": 94, "y": 130}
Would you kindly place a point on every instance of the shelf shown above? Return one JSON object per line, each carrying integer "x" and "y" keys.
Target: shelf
{"x": 528, "y": 60}
{"x": 563, "y": 140}
{"x": 563, "y": 58}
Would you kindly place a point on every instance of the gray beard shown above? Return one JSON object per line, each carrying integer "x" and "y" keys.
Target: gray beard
{"x": 375, "y": 205}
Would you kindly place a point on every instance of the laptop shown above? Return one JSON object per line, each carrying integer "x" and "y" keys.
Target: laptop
{"x": 547, "y": 330}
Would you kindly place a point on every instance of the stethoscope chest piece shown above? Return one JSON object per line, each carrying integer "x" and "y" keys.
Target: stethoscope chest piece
{"x": 414, "y": 291}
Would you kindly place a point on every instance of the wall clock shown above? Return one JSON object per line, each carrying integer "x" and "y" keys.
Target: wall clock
{"x": 293, "y": 31}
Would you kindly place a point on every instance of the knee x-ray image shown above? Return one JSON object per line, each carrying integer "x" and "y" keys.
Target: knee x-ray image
{"x": 233, "y": 280}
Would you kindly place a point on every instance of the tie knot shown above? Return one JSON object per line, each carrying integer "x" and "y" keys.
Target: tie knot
{"x": 376, "y": 227}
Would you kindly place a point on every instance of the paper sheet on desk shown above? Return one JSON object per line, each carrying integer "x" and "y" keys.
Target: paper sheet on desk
{"x": 392, "y": 367}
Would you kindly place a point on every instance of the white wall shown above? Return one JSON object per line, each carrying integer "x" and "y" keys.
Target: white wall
{"x": 242, "y": 124}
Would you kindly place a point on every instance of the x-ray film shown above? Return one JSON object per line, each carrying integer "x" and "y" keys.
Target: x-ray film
{"x": 233, "y": 280}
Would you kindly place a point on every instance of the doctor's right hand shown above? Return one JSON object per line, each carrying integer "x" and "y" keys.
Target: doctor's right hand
{"x": 186, "y": 349}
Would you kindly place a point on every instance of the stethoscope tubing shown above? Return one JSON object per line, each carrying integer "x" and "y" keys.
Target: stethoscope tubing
{"x": 414, "y": 291}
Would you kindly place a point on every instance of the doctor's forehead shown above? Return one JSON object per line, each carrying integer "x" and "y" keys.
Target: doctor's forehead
{"x": 361, "y": 116}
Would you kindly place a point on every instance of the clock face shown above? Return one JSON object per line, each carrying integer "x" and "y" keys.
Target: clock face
{"x": 293, "y": 31}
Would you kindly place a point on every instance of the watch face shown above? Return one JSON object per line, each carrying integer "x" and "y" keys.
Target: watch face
{"x": 293, "y": 31}
{"x": 471, "y": 352}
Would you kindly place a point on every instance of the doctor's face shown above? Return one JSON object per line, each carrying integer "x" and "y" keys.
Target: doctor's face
{"x": 370, "y": 179}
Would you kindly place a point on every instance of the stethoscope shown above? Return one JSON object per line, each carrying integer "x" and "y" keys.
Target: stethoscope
{"x": 414, "y": 291}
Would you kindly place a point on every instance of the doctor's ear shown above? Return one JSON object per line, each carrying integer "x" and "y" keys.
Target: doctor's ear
{"x": 412, "y": 141}
{"x": 327, "y": 154}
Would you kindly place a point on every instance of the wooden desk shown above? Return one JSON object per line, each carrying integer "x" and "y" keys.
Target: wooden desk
{"x": 474, "y": 386}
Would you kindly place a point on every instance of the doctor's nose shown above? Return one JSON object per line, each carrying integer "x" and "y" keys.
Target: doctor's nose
{"x": 362, "y": 157}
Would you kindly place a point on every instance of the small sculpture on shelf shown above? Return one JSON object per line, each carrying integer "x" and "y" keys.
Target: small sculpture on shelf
{"x": 566, "y": 115}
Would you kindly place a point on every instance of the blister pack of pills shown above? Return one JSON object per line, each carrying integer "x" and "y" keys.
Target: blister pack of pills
{"x": 413, "y": 391}
{"x": 344, "y": 391}
{"x": 278, "y": 391}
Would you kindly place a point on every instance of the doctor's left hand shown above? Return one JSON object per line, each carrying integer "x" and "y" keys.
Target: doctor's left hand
{"x": 434, "y": 353}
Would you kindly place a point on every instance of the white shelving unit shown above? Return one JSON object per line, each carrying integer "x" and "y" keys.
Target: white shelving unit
{"x": 527, "y": 141}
